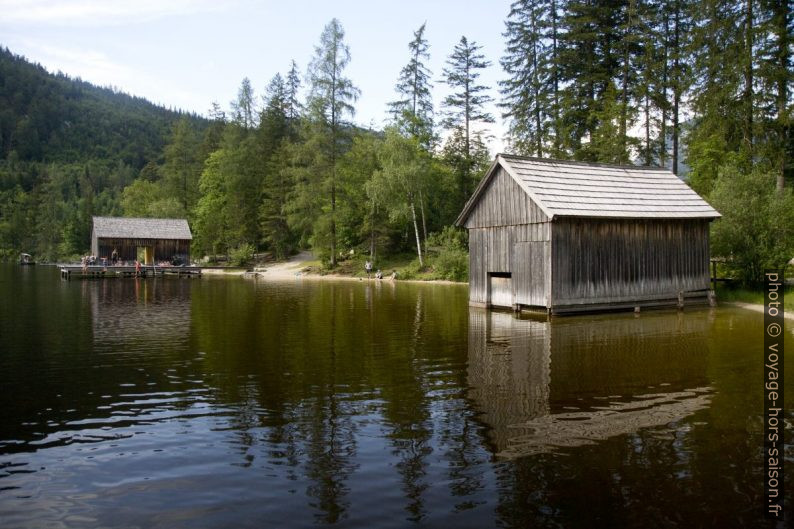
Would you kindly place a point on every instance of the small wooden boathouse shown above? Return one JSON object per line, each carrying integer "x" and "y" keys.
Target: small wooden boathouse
{"x": 157, "y": 239}
{"x": 572, "y": 236}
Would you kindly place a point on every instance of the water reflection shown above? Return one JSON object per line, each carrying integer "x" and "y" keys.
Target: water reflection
{"x": 228, "y": 403}
{"x": 542, "y": 385}
{"x": 139, "y": 315}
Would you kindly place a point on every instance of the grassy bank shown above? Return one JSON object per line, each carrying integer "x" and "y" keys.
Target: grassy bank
{"x": 753, "y": 295}
{"x": 437, "y": 268}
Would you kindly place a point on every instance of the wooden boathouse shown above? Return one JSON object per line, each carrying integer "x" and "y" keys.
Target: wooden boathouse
{"x": 154, "y": 239}
{"x": 569, "y": 236}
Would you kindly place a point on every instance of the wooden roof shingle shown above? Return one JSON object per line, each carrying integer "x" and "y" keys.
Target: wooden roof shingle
{"x": 580, "y": 189}
{"x": 137, "y": 228}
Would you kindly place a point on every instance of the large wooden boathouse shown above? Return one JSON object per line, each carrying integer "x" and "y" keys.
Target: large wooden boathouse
{"x": 571, "y": 236}
{"x": 155, "y": 239}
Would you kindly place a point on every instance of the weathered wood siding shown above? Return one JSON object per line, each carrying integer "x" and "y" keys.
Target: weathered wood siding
{"x": 504, "y": 203}
{"x": 164, "y": 249}
{"x": 505, "y": 216}
{"x": 531, "y": 261}
{"x": 608, "y": 261}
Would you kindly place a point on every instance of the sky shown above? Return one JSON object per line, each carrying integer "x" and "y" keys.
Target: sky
{"x": 186, "y": 54}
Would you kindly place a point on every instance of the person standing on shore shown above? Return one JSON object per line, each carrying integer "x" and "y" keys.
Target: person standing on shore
{"x": 368, "y": 268}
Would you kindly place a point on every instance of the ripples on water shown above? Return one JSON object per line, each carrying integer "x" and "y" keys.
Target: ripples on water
{"x": 224, "y": 402}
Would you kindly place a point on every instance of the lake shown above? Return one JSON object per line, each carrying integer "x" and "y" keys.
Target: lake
{"x": 227, "y": 402}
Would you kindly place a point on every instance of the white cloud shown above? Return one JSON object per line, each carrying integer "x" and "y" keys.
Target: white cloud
{"x": 100, "y": 13}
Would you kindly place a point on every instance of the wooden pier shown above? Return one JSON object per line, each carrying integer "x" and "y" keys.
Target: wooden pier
{"x": 107, "y": 272}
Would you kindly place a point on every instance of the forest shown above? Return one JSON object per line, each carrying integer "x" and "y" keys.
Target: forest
{"x": 703, "y": 88}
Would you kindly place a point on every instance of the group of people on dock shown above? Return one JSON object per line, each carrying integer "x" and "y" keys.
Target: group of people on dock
{"x": 93, "y": 260}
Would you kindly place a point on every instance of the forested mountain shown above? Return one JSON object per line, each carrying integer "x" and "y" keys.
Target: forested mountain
{"x": 67, "y": 151}
{"x": 48, "y": 117}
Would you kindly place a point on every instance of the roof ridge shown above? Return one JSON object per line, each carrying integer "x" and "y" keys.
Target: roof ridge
{"x": 582, "y": 162}
{"x": 135, "y": 218}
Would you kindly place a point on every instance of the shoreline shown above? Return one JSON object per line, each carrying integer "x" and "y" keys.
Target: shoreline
{"x": 293, "y": 269}
{"x": 755, "y": 307}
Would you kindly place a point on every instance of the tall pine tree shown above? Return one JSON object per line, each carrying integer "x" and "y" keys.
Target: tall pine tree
{"x": 465, "y": 106}
{"x": 413, "y": 111}
{"x": 326, "y": 133}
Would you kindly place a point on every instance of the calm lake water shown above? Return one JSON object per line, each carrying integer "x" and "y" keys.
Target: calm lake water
{"x": 225, "y": 402}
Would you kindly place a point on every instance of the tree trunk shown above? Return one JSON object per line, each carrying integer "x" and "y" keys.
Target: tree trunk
{"x": 536, "y": 89}
{"x": 422, "y": 210}
{"x": 624, "y": 104}
{"x": 648, "y": 159}
{"x": 372, "y": 233}
{"x": 333, "y": 163}
{"x": 555, "y": 79}
{"x": 783, "y": 37}
{"x": 676, "y": 82}
{"x": 416, "y": 232}
{"x": 748, "y": 79}
{"x": 665, "y": 68}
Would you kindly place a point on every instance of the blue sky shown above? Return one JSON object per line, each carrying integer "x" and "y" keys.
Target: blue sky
{"x": 188, "y": 53}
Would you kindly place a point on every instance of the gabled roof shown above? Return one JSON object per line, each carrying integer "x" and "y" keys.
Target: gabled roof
{"x": 135, "y": 228}
{"x": 581, "y": 189}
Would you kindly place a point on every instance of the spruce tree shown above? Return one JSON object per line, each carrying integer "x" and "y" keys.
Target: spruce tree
{"x": 465, "y": 104}
{"x": 413, "y": 111}
{"x": 530, "y": 94}
{"x": 330, "y": 101}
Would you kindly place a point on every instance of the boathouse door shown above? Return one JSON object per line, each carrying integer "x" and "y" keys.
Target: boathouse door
{"x": 146, "y": 255}
{"x": 500, "y": 289}
{"x": 531, "y": 279}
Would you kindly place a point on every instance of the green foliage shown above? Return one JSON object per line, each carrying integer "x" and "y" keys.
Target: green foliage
{"x": 182, "y": 166}
{"x": 756, "y": 230}
{"x": 283, "y": 174}
{"x": 324, "y": 136}
{"x": 606, "y": 144}
{"x": 143, "y": 198}
{"x": 400, "y": 184}
{"x": 464, "y": 108}
{"x": 413, "y": 111}
{"x": 242, "y": 255}
{"x": 54, "y": 118}
{"x": 450, "y": 259}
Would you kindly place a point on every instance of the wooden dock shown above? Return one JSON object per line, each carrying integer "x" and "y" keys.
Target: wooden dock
{"x": 107, "y": 272}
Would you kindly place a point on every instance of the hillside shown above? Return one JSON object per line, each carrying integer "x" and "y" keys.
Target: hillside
{"x": 47, "y": 117}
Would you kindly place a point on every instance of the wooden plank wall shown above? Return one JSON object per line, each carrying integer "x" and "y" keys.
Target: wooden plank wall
{"x": 504, "y": 203}
{"x": 531, "y": 274}
{"x": 504, "y": 215}
{"x": 608, "y": 261}
{"x": 164, "y": 249}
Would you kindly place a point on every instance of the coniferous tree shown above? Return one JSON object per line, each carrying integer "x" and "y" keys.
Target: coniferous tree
{"x": 326, "y": 133}
{"x": 717, "y": 132}
{"x": 465, "y": 106}
{"x": 530, "y": 94}
{"x": 413, "y": 111}
{"x": 292, "y": 86}
{"x": 243, "y": 110}
{"x": 182, "y": 166}
{"x": 272, "y": 136}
